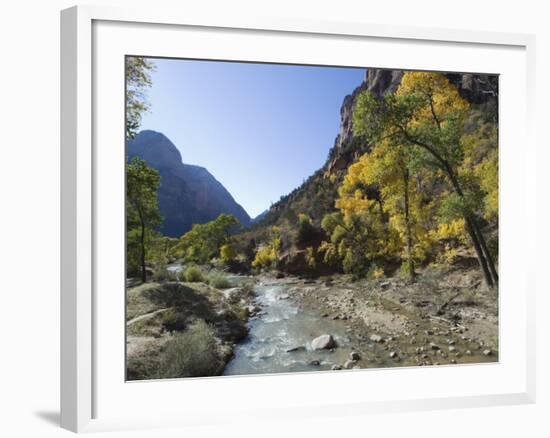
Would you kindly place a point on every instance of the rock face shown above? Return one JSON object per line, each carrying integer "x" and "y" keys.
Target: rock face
{"x": 377, "y": 81}
{"x": 323, "y": 342}
{"x": 188, "y": 194}
{"x": 475, "y": 88}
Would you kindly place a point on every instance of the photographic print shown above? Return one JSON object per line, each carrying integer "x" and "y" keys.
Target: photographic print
{"x": 295, "y": 218}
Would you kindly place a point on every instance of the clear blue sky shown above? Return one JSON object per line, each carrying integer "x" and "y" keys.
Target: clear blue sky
{"x": 260, "y": 129}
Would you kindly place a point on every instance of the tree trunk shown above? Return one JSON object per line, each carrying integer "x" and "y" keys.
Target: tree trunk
{"x": 410, "y": 261}
{"x": 479, "y": 252}
{"x": 485, "y": 249}
{"x": 483, "y": 257}
{"x": 142, "y": 248}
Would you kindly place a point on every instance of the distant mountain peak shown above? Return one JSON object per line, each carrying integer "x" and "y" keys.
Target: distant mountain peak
{"x": 188, "y": 194}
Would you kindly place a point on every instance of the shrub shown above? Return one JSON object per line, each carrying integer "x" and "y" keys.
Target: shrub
{"x": 172, "y": 320}
{"x": 218, "y": 280}
{"x": 310, "y": 257}
{"x": 227, "y": 253}
{"x": 375, "y": 272}
{"x": 267, "y": 256}
{"x": 143, "y": 366}
{"x": 192, "y": 353}
{"x": 192, "y": 274}
{"x": 448, "y": 255}
{"x": 163, "y": 274}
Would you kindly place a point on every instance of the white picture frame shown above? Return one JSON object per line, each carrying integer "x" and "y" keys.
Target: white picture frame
{"x": 90, "y": 401}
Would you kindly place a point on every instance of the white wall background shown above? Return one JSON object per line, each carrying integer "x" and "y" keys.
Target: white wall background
{"x": 29, "y": 216}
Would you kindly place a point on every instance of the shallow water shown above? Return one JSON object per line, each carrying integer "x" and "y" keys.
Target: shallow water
{"x": 174, "y": 267}
{"x": 281, "y": 326}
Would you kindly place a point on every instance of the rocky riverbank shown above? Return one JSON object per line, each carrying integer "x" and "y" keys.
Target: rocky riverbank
{"x": 446, "y": 317}
{"x": 178, "y": 329}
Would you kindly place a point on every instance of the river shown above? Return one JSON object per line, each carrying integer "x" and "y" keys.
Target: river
{"x": 281, "y": 326}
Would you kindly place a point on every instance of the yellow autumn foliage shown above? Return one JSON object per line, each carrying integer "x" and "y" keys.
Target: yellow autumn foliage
{"x": 267, "y": 255}
{"x": 440, "y": 96}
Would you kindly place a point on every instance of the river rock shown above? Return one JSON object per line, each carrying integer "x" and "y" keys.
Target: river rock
{"x": 323, "y": 342}
{"x": 336, "y": 367}
{"x": 315, "y": 362}
{"x": 487, "y": 352}
{"x": 298, "y": 348}
{"x": 234, "y": 294}
{"x": 376, "y": 338}
{"x": 253, "y": 309}
{"x": 349, "y": 364}
{"x": 354, "y": 355}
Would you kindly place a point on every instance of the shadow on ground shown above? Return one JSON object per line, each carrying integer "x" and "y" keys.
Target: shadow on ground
{"x": 51, "y": 417}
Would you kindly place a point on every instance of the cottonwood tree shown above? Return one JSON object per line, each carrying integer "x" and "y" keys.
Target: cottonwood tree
{"x": 142, "y": 213}
{"x": 204, "y": 241}
{"x": 427, "y": 114}
{"x": 356, "y": 239}
{"x": 386, "y": 178}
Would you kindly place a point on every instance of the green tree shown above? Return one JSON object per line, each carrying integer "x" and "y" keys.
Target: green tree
{"x": 203, "y": 241}
{"x": 427, "y": 114}
{"x": 142, "y": 213}
{"x": 162, "y": 249}
{"x": 138, "y": 80}
{"x": 481, "y": 165}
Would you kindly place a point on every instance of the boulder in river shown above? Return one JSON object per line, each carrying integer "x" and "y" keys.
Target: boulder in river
{"x": 323, "y": 342}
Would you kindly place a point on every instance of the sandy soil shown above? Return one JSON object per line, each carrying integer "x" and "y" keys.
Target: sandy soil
{"x": 446, "y": 317}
